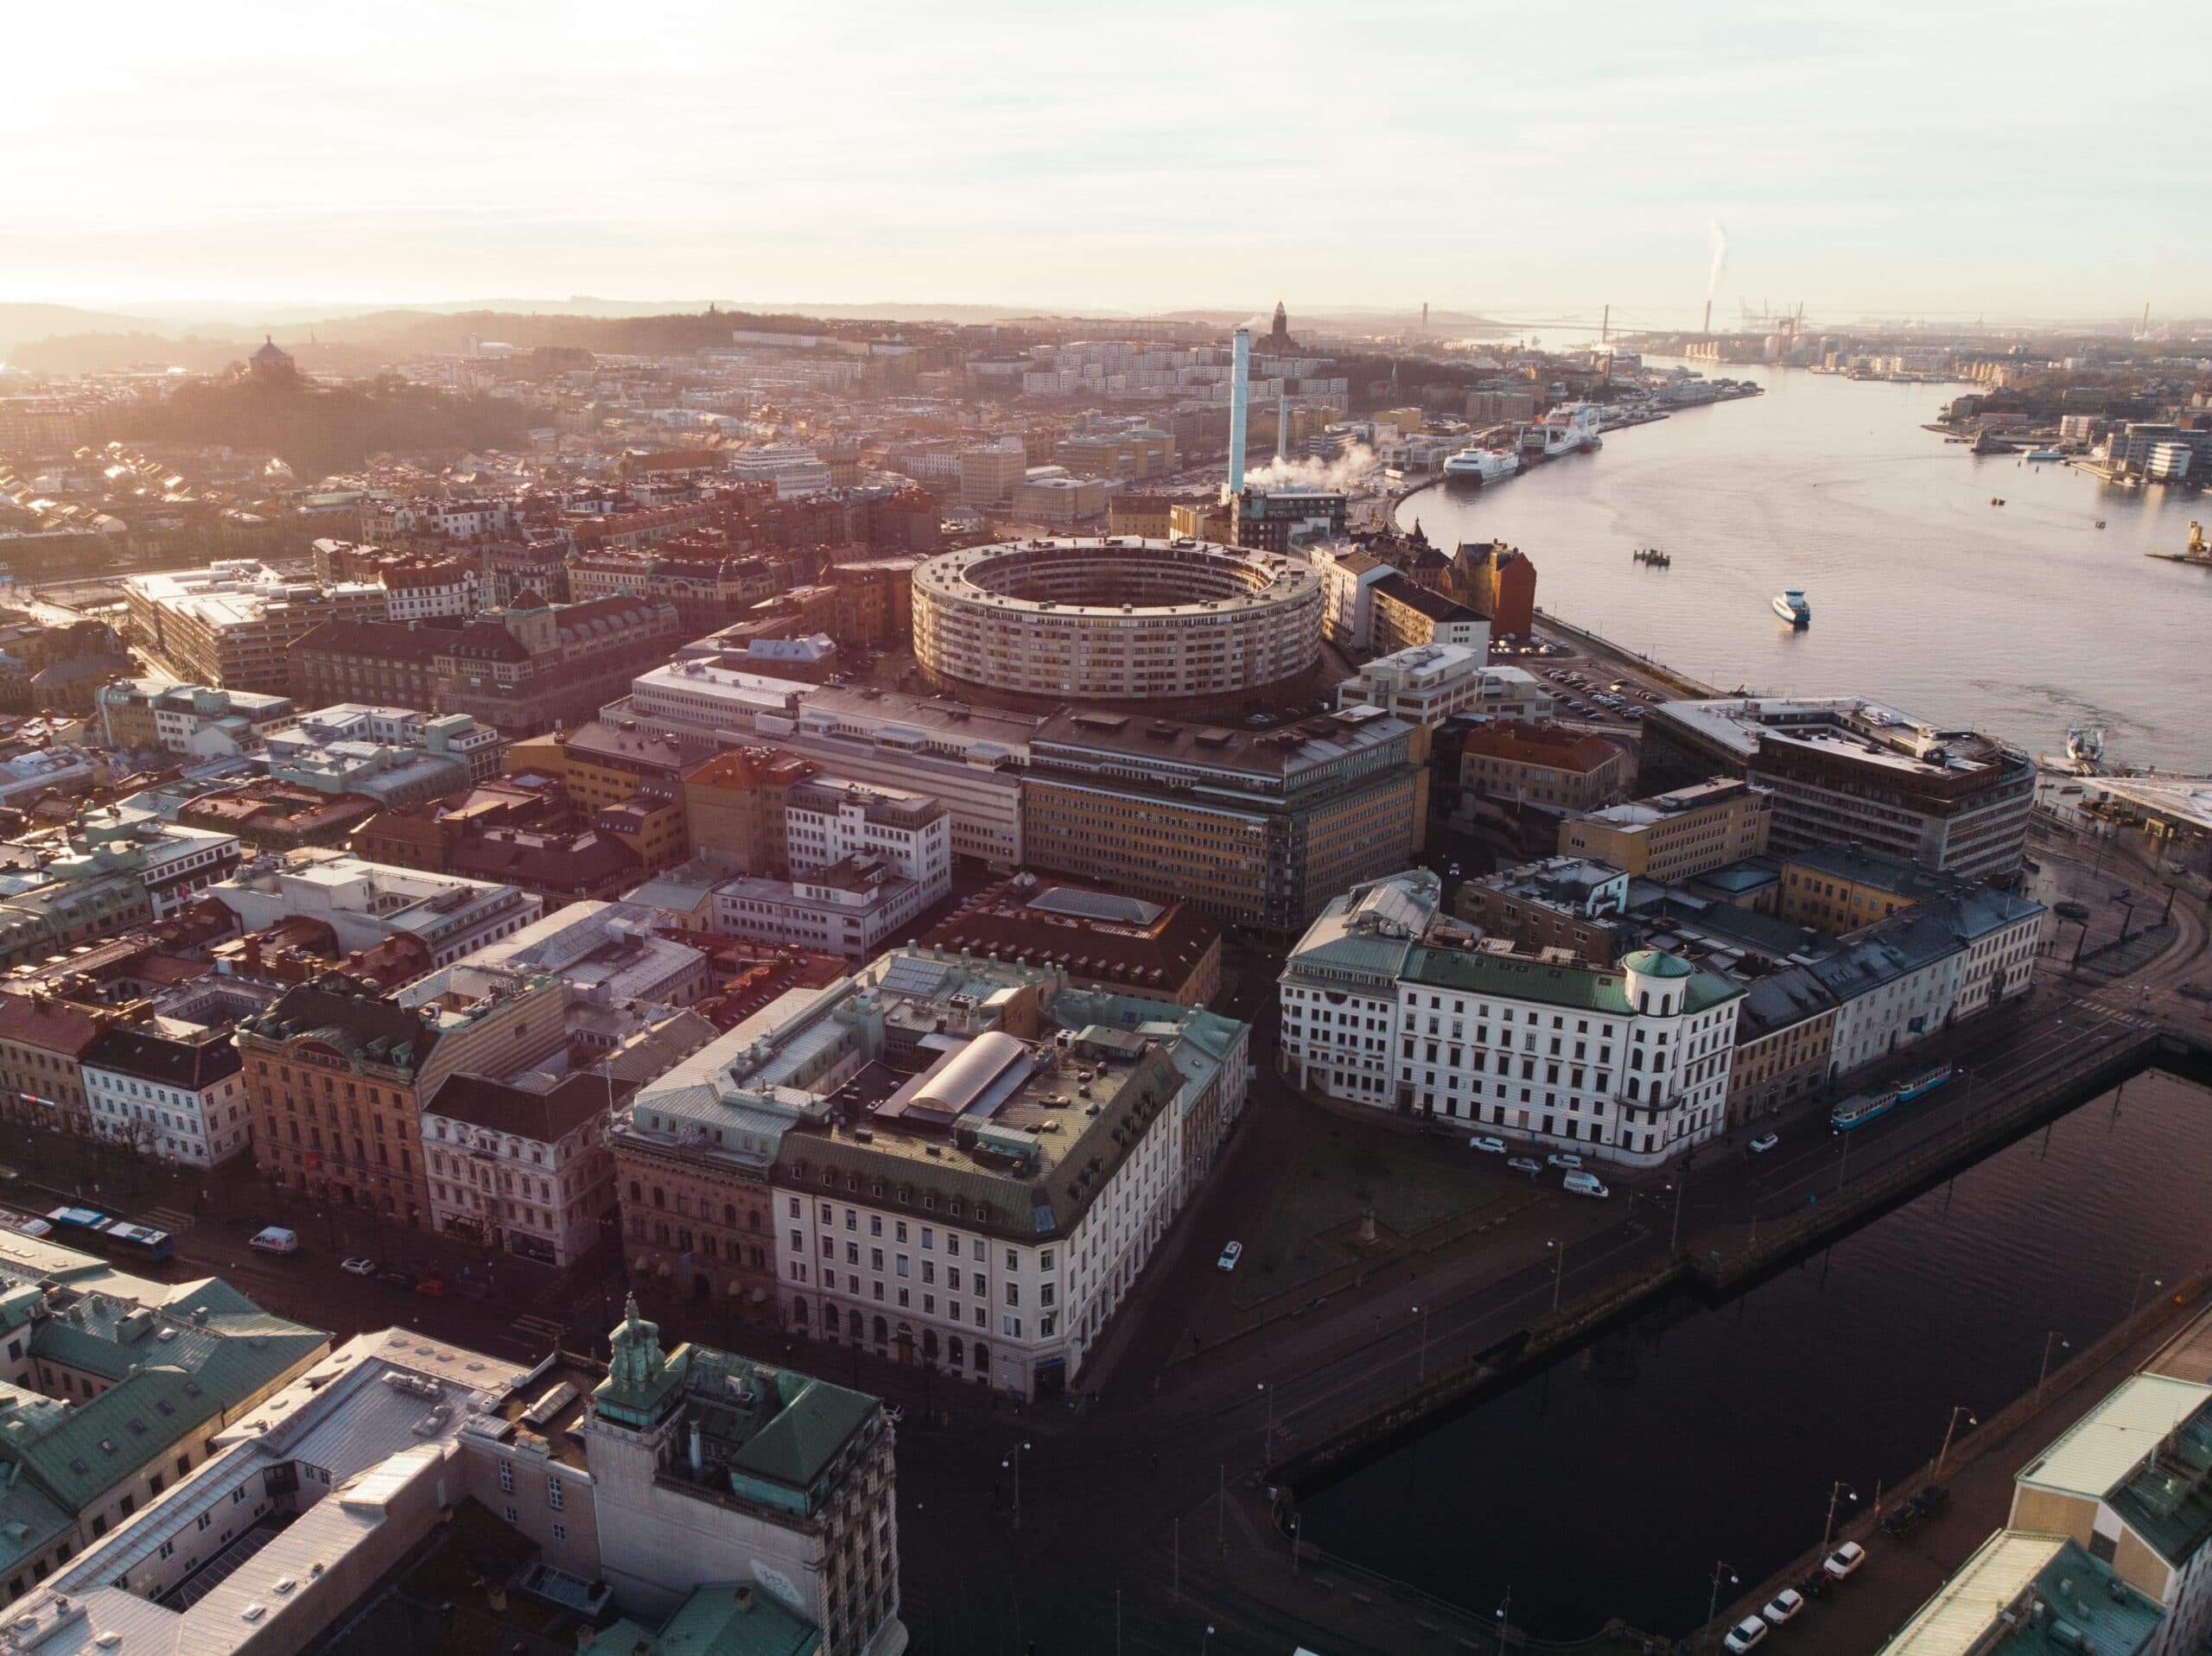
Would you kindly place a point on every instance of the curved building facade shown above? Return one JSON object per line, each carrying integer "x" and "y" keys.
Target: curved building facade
{"x": 1116, "y": 620}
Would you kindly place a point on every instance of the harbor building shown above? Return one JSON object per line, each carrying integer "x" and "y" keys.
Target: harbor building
{"x": 1256, "y": 827}
{"x": 1383, "y": 1005}
{"x": 963, "y": 1163}
{"x": 1844, "y": 770}
{"x": 1672, "y": 837}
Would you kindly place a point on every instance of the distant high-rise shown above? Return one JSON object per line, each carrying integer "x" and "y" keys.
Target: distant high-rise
{"x": 1279, "y": 339}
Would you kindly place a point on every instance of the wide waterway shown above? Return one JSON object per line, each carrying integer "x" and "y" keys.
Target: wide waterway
{"x": 1610, "y": 1484}
{"x": 2022, "y": 619}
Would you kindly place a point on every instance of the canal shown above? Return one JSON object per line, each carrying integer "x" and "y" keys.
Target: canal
{"x": 1610, "y": 1483}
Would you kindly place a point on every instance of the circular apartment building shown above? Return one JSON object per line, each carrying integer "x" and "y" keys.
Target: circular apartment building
{"x": 1120, "y": 620}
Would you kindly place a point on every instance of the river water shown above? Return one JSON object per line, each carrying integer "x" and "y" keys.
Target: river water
{"x": 1611, "y": 1483}
{"x": 2022, "y": 619}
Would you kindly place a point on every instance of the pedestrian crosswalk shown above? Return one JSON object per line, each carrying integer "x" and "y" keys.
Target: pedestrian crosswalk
{"x": 175, "y": 1221}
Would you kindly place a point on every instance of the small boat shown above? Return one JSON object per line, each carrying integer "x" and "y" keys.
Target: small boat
{"x": 2044, "y": 457}
{"x": 1858, "y": 1111}
{"x": 2101, "y": 523}
{"x": 1791, "y": 607}
{"x": 1921, "y": 1086}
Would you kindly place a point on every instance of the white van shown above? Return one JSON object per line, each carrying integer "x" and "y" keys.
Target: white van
{"x": 275, "y": 1238}
{"x": 1585, "y": 1185}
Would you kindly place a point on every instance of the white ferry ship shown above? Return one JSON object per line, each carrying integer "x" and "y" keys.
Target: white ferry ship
{"x": 1792, "y": 607}
{"x": 1483, "y": 465}
{"x": 1567, "y": 429}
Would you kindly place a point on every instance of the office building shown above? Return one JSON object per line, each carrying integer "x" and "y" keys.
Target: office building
{"x": 338, "y": 1074}
{"x": 367, "y": 662}
{"x": 1383, "y": 1005}
{"x": 1255, "y": 827}
{"x": 1276, "y": 519}
{"x": 167, "y": 1091}
{"x": 228, "y": 626}
{"x": 1403, "y": 615}
{"x": 1548, "y": 767}
{"x": 1673, "y": 837}
{"x": 1430, "y": 684}
{"x": 365, "y": 902}
{"x": 534, "y": 665}
{"x": 1846, "y": 771}
{"x": 739, "y": 1507}
{"x": 1562, "y": 903}
{"x": 964, "y": 1163}
{"x": 1100, "y": 939}
{"x": 114, "y": 1389}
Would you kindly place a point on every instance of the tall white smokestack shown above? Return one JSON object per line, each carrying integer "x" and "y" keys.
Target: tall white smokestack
{"x": 1240, "y": 392}
{"x": 1282, "y": 426}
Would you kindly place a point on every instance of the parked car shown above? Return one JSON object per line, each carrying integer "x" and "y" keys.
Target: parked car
{"x": 1485, "y": 1142}
{"x": 275, "y": 1238}
{"x": 360, "y": 1268}
{"x": 1814, "y": 1585}
{"x": 1930, "y": 1498}
{"x": 1747, "y": 1635}
{"x": 1765, "y": 1142}
{"x": 1785, "y": 1606}
{"x": 399, "y": 1275}
{"x": 1901, "y": 1520}
{"x": 1585, "y": 1184}
{"x": 431, "y": 1287}
{"x": 1229, "y": 1256}
{"x": 1563, "y": 1159}
{"x": 1845, "y": 1560}
{"x": 1524, "y": 1164}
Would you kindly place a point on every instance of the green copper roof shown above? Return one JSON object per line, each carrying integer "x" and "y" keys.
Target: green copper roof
{"x": 721, "y": 1619}
{"x": 1652, "y": 964}
{"x": 1473, "y": 971}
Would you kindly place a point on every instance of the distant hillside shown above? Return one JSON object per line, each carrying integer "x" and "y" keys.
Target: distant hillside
{"x": 20, "y": 324}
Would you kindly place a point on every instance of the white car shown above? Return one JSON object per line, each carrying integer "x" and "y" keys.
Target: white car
{"x": 1563, "y": 1158}
{"x": 1484, "y": 1142}
{"x": 1784, "y": 1606}
{"x": 1765, "y": 1142}
{"x": 1844, "y": 1561}
{"x": 1747, "y": 1635}
{"x": 1229, "y": 1256}
{"x": 360, "y": 1268}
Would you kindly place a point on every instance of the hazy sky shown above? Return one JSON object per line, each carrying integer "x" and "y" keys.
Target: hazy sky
{"x": 1938, "y": 157}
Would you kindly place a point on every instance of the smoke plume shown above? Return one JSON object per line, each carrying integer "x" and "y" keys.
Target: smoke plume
{"x": 1719, "y": 258}
{"x": 1353, "y": 470}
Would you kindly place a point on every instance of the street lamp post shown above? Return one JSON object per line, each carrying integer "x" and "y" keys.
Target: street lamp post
{"x": 1944, "y": 1453}
{"x": 1835, "y": 1493}
{"x": 1674, "y": 1236}
{"x": 1014, "y": 1462}
{"x": 1712, "y": 1601}
{"x": 1206, "y": 1643}
{"x": 1268, "y": 1452}
{"x": 1420, "y": 1369}
{"x": 2135, "y": 1299}
{"x": 1559, "y": 1268}
{"x": 2043, "y": 1372}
